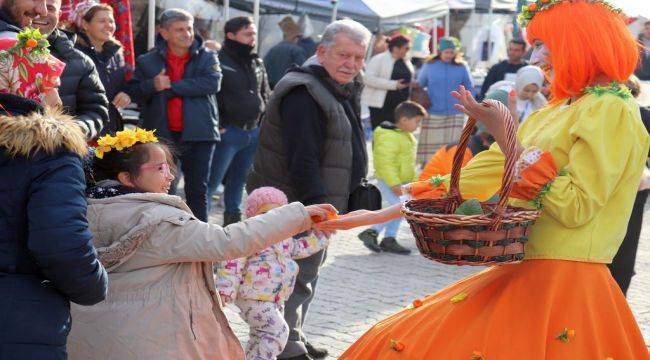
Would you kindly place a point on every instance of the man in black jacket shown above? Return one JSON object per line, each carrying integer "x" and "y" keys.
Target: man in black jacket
{"x": 507, "y": 69}
{"x": 242, "y": 101}
{"x": 81, "y": 90}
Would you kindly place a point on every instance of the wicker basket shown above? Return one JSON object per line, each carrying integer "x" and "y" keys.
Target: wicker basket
{"x": 496, "y": 237}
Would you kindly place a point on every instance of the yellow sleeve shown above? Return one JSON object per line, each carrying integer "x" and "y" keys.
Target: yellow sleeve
{"x": 479, "y": 179}
{"x": 605, "y": 140}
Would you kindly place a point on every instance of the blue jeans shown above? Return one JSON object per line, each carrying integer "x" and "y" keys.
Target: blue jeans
{"x": 233, "y": 155}
{"x": 194, "y": 160}
{"x": 389, "y": 227}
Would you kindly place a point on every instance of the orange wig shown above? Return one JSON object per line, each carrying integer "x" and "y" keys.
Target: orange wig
{"x": 585, "y": 40}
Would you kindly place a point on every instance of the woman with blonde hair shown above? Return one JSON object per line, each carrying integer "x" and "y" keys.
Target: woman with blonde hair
{"x": 580, "y": 159}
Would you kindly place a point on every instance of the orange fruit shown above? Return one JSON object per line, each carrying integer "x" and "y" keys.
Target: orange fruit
{"x": 330, "y": 216}
{"x": 532, "y": 7}
{"x": 31, "y": 43}
{"x": 417, "y": 303}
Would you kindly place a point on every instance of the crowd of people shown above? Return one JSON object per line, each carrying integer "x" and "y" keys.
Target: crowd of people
{"x": 91, "y": 216}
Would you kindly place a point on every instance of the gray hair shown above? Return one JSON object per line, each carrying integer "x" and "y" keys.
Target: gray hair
{"x": 350, "y": 28}
{"x": 171, "y": 15}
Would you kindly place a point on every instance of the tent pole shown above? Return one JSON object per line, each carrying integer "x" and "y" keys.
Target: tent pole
{"x": 256, "y": 19}
{"x": 151, "y": 20}
{"x": 335, "y": 5}
{"x": 434, "y": 35}
{"x": 226, "y": 10}
{"x": 447, "y": 23}
{"x": 489, "y": 44}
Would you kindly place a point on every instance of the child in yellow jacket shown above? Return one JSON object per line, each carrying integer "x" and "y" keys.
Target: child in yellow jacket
{"x": 394, "y": 148}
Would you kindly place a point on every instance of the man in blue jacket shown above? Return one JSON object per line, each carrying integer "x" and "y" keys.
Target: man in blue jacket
{"x": 175, "y": 85}
{"x": 46, "y": 255}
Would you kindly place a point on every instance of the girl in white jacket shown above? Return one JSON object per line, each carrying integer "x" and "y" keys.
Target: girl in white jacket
{"x": 259, "y": 284}
{"x": 162, "y": 301}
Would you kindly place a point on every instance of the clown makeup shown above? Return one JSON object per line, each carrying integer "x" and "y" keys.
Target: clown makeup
{"x": 541, "y": 56}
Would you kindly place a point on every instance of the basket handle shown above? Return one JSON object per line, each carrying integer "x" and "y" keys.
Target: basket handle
{"x": 510, "y": 152}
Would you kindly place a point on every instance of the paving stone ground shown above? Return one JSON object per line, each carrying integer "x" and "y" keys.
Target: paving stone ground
{"x": 358, "y": 288}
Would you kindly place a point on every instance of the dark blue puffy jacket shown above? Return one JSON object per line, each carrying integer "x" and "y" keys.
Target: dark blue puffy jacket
{"x": 198, "y": 88}
{"x": 46, "y": 255}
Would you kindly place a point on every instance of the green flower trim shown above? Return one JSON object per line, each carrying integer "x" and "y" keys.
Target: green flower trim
{"x": 537, "y": 201}
{"x": 437, "y": 180}
{"x": 614, "y": 88}
{"x": 529, "y": 11}
{"x": 20, "y": 47}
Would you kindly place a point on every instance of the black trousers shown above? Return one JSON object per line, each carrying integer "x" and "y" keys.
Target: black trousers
{"x": 622, "y": 267}
{"x": 195, "y": 159}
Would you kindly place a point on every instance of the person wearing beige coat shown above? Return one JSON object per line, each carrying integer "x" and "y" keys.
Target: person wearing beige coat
{"x": 162, "y": 301}
{"x": 386, "y": 78}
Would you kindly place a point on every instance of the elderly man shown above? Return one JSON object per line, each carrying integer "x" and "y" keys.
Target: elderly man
{"x": 81, "y": 90}
{"x": 312, "y": 148}
{"x": 176, "y": 85}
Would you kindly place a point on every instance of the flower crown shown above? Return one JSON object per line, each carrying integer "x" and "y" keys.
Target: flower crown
{"x": 123, "y": 140}
{"x": 529, "y": 11}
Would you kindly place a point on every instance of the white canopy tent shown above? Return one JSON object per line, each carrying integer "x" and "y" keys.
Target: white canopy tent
{"x": 484, "y": 5}
{"x": 372, "y": 13}
{"x": 633, "y": 8}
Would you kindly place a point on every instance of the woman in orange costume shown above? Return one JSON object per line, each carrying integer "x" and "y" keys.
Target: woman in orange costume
{"x": 580, "y": 159}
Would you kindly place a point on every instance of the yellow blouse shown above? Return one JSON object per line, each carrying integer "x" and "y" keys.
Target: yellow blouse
{"x": 601, "y": 144}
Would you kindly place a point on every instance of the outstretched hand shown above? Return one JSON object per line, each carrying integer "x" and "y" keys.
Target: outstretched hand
{"x": 361, "y": 218}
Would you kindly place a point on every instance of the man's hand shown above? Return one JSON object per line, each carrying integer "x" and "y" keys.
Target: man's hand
{"x": 52, "y": 98}
{"x": 401, "y": 84}
{"x": 121, "y": 100}
{"x": 161, "y": 81}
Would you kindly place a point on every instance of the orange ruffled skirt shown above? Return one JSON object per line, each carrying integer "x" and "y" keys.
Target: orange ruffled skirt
{"x": 537, "y": 309}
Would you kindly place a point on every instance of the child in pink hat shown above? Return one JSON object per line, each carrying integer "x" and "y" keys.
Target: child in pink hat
{"x": 258, "y": 285}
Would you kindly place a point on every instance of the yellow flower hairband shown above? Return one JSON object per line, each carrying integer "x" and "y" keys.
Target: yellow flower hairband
{"x": 529, "y": 11}
{"x": 122, "y": 140}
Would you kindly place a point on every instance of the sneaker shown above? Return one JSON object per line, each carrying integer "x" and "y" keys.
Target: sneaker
{"x": 369, "y": 238}
{"x": 316, "y": 353}
{"x": 389, "y": 244}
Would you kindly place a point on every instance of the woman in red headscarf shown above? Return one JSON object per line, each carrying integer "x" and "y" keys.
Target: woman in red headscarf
{"x": 580, "y": 159}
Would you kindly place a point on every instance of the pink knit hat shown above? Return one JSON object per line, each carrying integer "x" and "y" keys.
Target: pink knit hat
{"x": 262, "y": 196}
